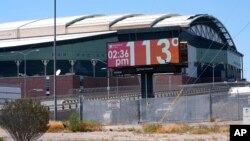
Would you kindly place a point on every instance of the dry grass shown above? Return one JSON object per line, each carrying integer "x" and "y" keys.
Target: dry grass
{"x": 175, "y": 128}
{"x": 202, "y": 129}
{"x": 55, "y": 126}
{"x": 82, "y": 126}
{"x": 184, "y": 128}
{"x": 151, "y": 128}
{"x": 89, "y": 126}
{"x": 224, "y": 129}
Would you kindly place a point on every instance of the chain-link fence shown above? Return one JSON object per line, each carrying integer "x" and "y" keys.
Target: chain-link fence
{"x": 187, "y": 108}
{"x": 229, "y": 107}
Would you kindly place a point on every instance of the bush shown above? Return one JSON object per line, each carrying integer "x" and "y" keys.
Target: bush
{"x": 74, "y": 121}
{"x": 74, "y": 124}
{"x": 56, "y": 126}
{"x": 24, "y": 120}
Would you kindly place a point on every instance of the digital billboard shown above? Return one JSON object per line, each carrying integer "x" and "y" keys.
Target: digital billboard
{"x": 145, "y": 52}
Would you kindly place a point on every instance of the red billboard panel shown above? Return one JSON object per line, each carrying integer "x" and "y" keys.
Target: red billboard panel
{"x": 146, "y": 52}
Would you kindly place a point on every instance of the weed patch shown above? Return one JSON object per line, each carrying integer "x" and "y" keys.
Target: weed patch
{"x": 55, "y": 126}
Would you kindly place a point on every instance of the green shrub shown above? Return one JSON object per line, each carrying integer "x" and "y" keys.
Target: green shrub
{"x": 74, "y": 122}
{"x": 24, "y": 119}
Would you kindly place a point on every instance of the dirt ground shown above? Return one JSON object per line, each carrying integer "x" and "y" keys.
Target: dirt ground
{"x": 119, "y": 133}
{"x": 126, "y": 136}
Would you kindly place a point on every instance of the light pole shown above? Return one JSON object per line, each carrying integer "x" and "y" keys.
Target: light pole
{"x": 54, "y": 52}
{"x": 108, "y": 88}
{"x": 213, "y": 74}
{"x": 24, "y": 55}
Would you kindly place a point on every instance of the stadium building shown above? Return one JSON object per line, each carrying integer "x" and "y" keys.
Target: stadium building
{"x": 26, "y": 48}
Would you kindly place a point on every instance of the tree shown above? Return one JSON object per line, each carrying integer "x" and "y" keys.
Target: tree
{"x": 24, "y": 120}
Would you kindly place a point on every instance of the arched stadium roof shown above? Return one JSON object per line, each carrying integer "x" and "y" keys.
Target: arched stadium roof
{"x": 41, "y": 31}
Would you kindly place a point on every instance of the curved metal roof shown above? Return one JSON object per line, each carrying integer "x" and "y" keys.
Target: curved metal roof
{"x": 182, "y": 21}
{"x": 12, "y": 25}
{"x": 216, "y": 25}
{"x": 95, "y": 24}
{"x": 49, "y": 22}
{"x": 101, "y": 23}
{"x": 136, "y": 22}
{"x": 81, "y": 18}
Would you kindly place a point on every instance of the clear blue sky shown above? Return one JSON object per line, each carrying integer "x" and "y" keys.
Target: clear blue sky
{"x": 235, "y": 15}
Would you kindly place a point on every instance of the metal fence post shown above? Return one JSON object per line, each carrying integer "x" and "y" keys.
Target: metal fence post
{"x": 210, "y": 106}
{"x": 81, "y": 107}
{"x": 139, "y": 109}
{"x": 238, "y": 101}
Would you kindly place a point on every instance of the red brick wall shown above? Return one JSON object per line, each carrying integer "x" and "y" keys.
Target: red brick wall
{"x": 166, "y": 81}
{"x": 90, "y": 82}
{"x": 159, "y": 80}
{"x": 64, "y": 84}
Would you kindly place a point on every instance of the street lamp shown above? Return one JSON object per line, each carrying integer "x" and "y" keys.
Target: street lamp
{"x": 93, "y": 61}
{"x": 24, "y": 55}
{"x": 96, "y": 60}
